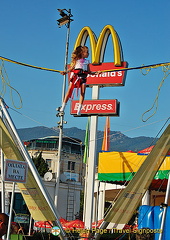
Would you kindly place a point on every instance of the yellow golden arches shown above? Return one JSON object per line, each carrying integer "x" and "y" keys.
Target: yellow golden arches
{"x": 98, "y": 46}
{"x": 101, "y": 45}
{"x": 82, "y": 37}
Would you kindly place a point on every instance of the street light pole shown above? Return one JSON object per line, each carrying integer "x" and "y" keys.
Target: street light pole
{"x": 65, "y": 20}
{"x": 66, "y": 56}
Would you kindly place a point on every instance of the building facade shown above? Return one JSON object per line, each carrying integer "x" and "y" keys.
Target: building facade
{"x": 71, "y": 171}
{"x": 71, "y": 177}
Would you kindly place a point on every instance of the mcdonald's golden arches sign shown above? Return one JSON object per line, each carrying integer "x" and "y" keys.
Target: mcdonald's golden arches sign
{"x": 98, "y": 46}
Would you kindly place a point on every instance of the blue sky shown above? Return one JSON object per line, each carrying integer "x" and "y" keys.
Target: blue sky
{"x": 30, "y": 34}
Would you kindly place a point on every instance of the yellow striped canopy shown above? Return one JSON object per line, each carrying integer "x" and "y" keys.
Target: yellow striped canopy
{"x": 121, "y": 166}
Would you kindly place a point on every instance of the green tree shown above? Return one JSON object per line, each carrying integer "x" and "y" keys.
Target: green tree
{"x": 40, "y": 164}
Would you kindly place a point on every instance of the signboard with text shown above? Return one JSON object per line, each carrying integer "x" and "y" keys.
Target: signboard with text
{"x": 15, "y": 171}
{"x": 21, "y": 218}
{"x": 96, "y": 107}
{"x": 107, "y": 78}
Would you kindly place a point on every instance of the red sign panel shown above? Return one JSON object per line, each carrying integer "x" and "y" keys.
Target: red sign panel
{"x": 96, "y": 107}
{"x": 107, "y": 79}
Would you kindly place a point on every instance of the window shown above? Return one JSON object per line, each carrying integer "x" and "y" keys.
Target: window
{"x": 48, "y": 161}
{"x": 66, "y": 148}
{"x": 71, "y": 165}
{"x": 19, "y": 204}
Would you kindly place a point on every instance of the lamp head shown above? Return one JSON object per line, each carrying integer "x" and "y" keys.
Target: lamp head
{"x": 65, "y": 17}
{"x": 62, "y": 13}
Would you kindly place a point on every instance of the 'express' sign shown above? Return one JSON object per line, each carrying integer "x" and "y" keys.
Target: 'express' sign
{"x": 97, "y": 107}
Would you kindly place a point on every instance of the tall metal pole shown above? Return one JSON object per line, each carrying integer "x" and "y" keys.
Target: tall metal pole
{"x": 60, "y": 124}
{"x": 90, "y": 177}
{"x": 11, "y": 208}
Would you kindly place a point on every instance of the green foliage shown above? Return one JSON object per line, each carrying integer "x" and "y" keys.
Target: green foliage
{"x": 40, "y": 164}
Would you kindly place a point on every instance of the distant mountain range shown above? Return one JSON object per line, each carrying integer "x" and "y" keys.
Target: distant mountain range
{"x": 118, "y": 141}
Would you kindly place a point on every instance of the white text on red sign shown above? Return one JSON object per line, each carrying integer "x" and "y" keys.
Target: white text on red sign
{"x": 97, "y": 107}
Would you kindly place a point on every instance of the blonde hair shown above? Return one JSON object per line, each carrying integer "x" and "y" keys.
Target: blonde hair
{"x": 77, "y": 54}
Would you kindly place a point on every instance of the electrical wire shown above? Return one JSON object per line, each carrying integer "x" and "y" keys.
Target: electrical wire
{"x": 41, "y": 124}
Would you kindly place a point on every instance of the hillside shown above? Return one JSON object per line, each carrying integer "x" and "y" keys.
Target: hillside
{"x": 118, "y": 141}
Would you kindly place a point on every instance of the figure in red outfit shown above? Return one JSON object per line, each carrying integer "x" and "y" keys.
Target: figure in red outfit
{"x": 79, "y": 69}
{"x": 3, "y": 224}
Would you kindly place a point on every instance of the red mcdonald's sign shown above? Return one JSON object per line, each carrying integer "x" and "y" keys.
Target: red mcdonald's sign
{"x": 107, "y": 78}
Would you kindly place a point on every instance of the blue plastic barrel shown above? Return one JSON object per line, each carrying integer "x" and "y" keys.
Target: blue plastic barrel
{"x": 157, "y": 220}
{"x": 145, "y": 217}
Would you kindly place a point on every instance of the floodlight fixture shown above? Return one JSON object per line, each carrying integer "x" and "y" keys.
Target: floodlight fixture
{"x": 66, "y": 17}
